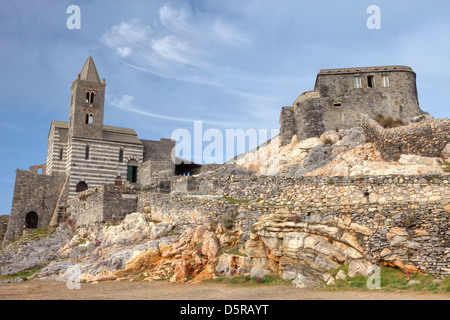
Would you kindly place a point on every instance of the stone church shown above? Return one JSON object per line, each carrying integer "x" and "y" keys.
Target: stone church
{"x": 83, "y": 154}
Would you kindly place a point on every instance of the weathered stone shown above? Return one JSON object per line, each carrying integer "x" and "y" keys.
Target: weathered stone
{"x": 419, "y": 160}
{"x": 232, "y": 265}
{"x": 358, "y": 267}
{"x": 341, "y": 275}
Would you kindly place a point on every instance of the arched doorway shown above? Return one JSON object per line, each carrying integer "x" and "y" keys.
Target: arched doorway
{"x": 81, "y": 186}
{"x": 32, "y": 220}
{"x": 132, "y": 171}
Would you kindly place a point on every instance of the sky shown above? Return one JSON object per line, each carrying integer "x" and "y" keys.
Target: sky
{"x": 230, "y": 64}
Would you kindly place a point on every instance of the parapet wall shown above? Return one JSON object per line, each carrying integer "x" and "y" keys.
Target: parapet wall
{"x": 426, "y": 138}
{"x": 102, "y": 205}
{"x": 319, "y": 191}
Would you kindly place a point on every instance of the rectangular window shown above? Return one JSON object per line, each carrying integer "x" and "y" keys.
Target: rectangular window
{"x": 61, "y": 152}
{"x": 370, "y": 81}
{"x": 357, "y": 82}
{"x": 86, "y": 156}
{"x": 121, "y": 156}
{"x": 385, "y": 81}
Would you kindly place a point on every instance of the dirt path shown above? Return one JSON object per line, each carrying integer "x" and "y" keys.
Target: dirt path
{"x": 52, "y": 290}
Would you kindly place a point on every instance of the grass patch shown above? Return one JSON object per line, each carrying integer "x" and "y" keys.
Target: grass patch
{"x": 22, "y": 274}
{"x": 234, "y": 200}
{"x": 248, "y": 281}
{"x": 392, "y": 280}
{"x": 447, "y": 167}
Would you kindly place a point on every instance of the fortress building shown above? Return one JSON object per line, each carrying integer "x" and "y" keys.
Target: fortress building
{"x": 83, "y": 154}
{"x": 341, "y": 96}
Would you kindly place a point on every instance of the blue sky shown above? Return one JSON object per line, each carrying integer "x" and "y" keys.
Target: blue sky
{"x": 231, "y": 64}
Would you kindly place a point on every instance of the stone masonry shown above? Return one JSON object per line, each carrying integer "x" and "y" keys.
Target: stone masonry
{"x": 426, "y": 138}
{"x": 341, "y": 96}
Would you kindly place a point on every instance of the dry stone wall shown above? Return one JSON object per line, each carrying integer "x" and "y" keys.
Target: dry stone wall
{"x": 108, "y": 204}
{"x": 427, "y": 138}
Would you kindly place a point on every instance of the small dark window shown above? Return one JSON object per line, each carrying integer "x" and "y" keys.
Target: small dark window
{"x": 370, "y": 82}
{"x": 121, "y": 155}
{"x": 87, "y": 96}
{"x": 61, "y": 152}
{"x": 86, "y": 156}
{"x": 32, "y": 220}
{"x": 337, "y": 105}
{"x": 92, "y": 97}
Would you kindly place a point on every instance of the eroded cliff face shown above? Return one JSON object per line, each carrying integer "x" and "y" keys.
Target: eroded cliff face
{"x": 306, "y": 250}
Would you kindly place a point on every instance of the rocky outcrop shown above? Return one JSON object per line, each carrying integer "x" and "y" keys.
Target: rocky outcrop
{"x": 299, "y": 250}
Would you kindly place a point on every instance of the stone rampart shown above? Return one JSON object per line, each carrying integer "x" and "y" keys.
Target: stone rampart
{"x": 427, "y": 138}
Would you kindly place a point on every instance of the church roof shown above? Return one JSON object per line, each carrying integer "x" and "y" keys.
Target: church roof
{"x": 112, "y": 134}
{"x": 89, "y": 71}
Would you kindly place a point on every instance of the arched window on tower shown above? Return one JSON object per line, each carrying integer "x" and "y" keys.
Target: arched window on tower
{"x": 92, "y": 97}
{"x": 87, "y": 96}
{"x": 89, "y": 118}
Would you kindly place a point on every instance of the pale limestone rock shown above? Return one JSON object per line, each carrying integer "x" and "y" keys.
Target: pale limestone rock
{"x": 133, "y": 228}
{"x": 303, "y": 282}
{"x": 331, "y": 282}
{"x": 396, "y": 231}
{"x": 419, "y": 160}
{"x": 232, "y": 265}
{"x": 341, "y": 275}
{"x": 359, "y": 267}
{"x": 446, "y": 152}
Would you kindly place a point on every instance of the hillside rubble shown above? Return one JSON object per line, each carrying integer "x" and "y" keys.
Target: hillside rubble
{"x": 342, "y": 153}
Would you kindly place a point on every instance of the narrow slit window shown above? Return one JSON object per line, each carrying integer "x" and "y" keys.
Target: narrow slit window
{"x": 337, "y": 105}
{"x": 61, "y": 153}
{"x": 87, "y": 118}
{"x": 86, "y": 156}
{"x": 92, "y": 97}
{"x": 121, "y": 155}
{"x": 370, "y": 82}
{"x": 357, "y": 82}
{"x": 87, "y": 97}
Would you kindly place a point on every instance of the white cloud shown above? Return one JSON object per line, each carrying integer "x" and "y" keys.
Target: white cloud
{"x": 229, "y": 33}
{"x": 171, "y": 48}
{"x": 174, "y": 20}
{"x": 124, "y": 52}
{"x": 126, "y": 102}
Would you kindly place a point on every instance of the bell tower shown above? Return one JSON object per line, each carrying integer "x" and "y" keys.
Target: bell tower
{"x": 87, "y": 104}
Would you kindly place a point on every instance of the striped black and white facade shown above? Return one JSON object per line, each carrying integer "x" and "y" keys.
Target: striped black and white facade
{"x": 83, "y": 149}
